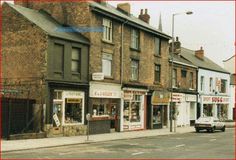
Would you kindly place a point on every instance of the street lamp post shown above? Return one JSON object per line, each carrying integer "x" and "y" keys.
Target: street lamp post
{"x": 172, "y": 52}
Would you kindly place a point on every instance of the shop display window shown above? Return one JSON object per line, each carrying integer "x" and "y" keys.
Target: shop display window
{"x": 104, "y": 110}
{"x": 207, "y": 110}
{"x": 222, "y": 111}
{"x": 73, "y": 110}
{"x": 132, "y": 109}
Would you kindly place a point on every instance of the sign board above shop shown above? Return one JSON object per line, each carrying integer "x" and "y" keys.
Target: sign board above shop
{"x": 215, "y": 99}
{"x": 98, "y": 76}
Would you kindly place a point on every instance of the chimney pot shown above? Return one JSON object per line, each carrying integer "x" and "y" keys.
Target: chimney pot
{"x": 144, "y": 17}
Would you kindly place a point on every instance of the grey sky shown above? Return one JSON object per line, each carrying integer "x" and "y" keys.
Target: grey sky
{"x": 212, "y": 25}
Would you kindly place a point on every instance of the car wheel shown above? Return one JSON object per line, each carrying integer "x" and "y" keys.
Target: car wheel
{"x": 197, "y": 130}
{"x": 212, "y": 129}
{"x": 223, "y": 129}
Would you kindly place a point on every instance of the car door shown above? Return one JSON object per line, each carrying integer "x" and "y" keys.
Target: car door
{"x": 217, "y": 123}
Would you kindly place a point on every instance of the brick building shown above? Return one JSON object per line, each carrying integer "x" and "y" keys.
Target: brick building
{"x": 128, "y": 64}
{"x": 49, "y": 65}
{"x": 184, "y": 85}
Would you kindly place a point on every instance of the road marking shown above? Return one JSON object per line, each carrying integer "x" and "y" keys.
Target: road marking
{"x": 181, "y": 145}
{"x": 212, "y": 140}
{"x": 137, "y": 153}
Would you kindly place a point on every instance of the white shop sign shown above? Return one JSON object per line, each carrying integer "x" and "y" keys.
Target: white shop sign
{"x": 215, "y": 99}
{"x": 177, "y": 97}
{"x": 104, "y": 90}
{"x": 190, "y": 98}
{"x": 55, "y": 117}
{"x": 98, "y": 76}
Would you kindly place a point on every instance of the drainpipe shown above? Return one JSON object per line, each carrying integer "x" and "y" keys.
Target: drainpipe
{"x": 122, "y": 71}
{"x": 197, "y": 95}
{"x": 122, "y": 52}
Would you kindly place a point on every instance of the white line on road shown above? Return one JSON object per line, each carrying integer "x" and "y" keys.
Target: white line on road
{"x": 181, "y": 145}
{"x": 212, "y": 140}
{"x": 137, "y": 153}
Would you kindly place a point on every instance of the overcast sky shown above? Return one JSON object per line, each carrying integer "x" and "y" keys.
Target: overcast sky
{"x": 212, "y": 24}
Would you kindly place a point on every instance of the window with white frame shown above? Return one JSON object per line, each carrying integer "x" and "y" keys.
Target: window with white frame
{"x": 107, "y": 30}
{"x": 107, "y": 64}
{"x": 211, "y": 84}
{"x": 202, "y": 83}
{"x": 134, "y": 38}
{"x": 134, "y": 69}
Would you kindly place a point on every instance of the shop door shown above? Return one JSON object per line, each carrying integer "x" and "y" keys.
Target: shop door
{"x": 157, "y": 117}
{"x": 114, "y": 109}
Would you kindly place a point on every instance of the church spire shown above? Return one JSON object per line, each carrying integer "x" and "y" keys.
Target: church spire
{"x": 160, "y": 23}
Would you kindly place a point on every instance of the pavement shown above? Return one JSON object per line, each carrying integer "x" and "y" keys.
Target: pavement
{"x": 18, "y": 145}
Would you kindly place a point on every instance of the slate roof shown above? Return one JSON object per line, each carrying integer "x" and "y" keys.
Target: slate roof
{"x": 206, "y": 63}
{"x": 232, "y": 79}
{"x": 181, "y": 59}
{"x": 110, "y": 10}
{"x": 48, "y": 24}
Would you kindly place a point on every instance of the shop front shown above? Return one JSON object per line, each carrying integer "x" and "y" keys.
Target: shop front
{"x": 191, "y": 101}
{"x": 68, "y": 112}
{"x": 104, "y": 106}
{"x": 159, "y": 109}
{"x": 217, "y": 106}
{"x": 133, "y": 109}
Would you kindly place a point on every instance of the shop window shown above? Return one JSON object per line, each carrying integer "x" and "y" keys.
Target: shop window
{"x": 104, "y": 110}
{"x": 132, "y": 109}
{"x": 107, "y": 30}
{"x": 223, "y": 86}
{"x": 134, "y": 38}
{"x": 73, "y": 110}
{"x": 134, "y": 69}
{"x": 222, "y": 111}
{"x": 75, "y": 60}
{"x": 107, "y": 64}
{"x": 208, "y": 110}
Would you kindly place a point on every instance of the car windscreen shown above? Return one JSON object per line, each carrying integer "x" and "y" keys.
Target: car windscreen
{"x": 205, "y": 119}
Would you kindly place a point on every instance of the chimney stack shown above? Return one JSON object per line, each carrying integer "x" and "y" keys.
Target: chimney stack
{"x": 200, "y": 53}
{"x": 144, "y": 17}
{"x": 124, "y": 7}
{"x": 177, "y": 46}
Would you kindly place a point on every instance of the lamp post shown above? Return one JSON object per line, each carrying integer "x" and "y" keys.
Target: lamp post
{"x": 172, "y": 52}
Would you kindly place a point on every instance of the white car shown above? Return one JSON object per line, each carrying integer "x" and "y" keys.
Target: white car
{"x": 209, "y": 124}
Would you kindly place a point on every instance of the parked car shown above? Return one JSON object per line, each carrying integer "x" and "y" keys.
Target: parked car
{"x": 209, "y": 123}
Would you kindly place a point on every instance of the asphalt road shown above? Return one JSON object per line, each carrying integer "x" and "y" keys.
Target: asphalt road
{"x": 190, "y": 145}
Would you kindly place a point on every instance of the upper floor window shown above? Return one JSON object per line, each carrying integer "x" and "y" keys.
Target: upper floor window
{"x": 183, "y": 73}
{"x": 134, "y": 69}
{"x": 107, "y": 30}
{"x": 202, "y": 83}
{"x": 107, "y": 64}
{"x": 223, "y": 86}
{"x": 134, "y": 38}
{"x": 211, "y": 85}
{"x": 158, "y": 73}
{"x": 191, "y": 80}
{"x": 75, "y": 60}
{"x": 157, "y": 46}
{"x": 58, "y": 60}
{"x": 174, "y": 80}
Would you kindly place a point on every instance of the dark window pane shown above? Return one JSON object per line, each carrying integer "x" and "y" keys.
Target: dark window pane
{"x": 58, "y": 58}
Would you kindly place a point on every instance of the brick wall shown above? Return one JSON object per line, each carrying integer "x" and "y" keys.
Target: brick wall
{"x": 24, "y": 49}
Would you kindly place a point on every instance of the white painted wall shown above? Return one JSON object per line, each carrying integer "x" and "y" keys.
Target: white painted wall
{"x": 207, "y": 74}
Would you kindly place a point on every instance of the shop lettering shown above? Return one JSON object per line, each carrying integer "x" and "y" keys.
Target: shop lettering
{"x": 215, "y": 99}
{"x": 105, "y": 94}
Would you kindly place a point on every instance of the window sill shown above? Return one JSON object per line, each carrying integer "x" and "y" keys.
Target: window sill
{"x": 108, "y": 42}
{"x": 135, "y": 49}
{"x": 108, "y": 77}
{"x": 158, "y": 56}
{"x": 135, "y": 81}
{"x": 157, "y": 83}
{"x": 58, "y": 72}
